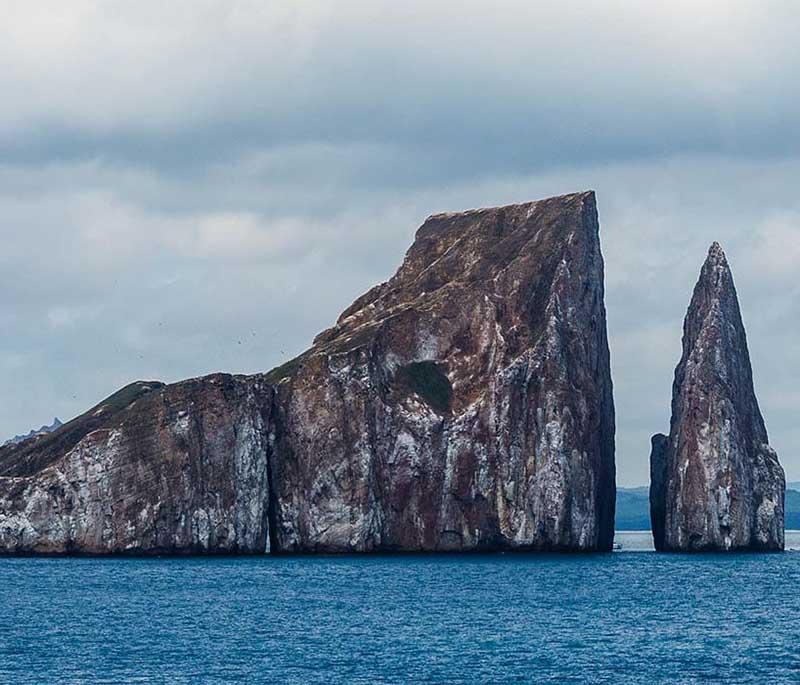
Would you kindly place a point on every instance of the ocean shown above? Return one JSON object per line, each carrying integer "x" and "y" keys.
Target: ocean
{"x": 629, "y": 617}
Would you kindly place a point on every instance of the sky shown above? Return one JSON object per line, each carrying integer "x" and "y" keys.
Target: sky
{"x": 189, "y": 187}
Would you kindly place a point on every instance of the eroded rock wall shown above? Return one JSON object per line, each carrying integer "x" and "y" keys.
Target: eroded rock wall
{"x": 466, "y": 403}
{"x": 181, "y": 469}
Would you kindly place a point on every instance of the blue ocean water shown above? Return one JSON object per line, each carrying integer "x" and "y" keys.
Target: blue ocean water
{"x": 636, "y": 617}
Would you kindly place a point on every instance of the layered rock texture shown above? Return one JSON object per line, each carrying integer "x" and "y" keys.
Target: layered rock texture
{"x": 465, "y": 404}
{"x": 152, "y": 469}
{"x": 716, "y": 484}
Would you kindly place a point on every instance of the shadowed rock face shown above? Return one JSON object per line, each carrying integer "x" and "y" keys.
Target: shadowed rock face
{"x": 716, "y": 484}
{"x": 465, "y": 404}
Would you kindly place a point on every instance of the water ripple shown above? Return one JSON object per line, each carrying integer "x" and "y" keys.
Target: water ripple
{"x": 622, "y": 618}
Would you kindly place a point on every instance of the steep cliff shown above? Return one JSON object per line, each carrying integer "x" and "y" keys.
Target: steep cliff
{"x": 716, "y": 482}
{"x": 153, "y": 469}
{"x": 465, "y": 404}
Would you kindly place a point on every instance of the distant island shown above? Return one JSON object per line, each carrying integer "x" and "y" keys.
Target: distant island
{"x": 44, "y": 430}
{"x": 633, "y": 508}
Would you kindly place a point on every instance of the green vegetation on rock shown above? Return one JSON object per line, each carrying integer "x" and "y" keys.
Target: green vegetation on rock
{"x": 283, "y": 371}
{"x": 429, "y": 381}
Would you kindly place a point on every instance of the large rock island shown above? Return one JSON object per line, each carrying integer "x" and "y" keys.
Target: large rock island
{"x": 465, "y": 404}
{"x": 716, "y": 484}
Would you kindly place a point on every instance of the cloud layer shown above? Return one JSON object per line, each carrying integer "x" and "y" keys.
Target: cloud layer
{"x": 196, "y": 186}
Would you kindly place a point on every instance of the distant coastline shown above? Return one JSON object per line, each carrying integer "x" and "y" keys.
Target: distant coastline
{"x": 633, "y": 508}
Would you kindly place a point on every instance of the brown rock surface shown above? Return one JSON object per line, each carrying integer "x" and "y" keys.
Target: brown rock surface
{"x": 716, "y": 484}
{"x": 465, "y": 404}
{"x": 153, "y": 469}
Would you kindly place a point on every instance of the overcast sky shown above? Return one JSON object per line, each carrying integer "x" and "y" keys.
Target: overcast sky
{"x": 187, "y": 187}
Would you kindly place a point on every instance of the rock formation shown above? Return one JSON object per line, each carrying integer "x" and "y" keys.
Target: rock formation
{"x": 716, "y": 484}
{"x": 154, "y": 468}
{"x": 465, "y": 404}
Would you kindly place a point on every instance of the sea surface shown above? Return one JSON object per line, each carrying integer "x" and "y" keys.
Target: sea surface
{"x": 628, "y": 617}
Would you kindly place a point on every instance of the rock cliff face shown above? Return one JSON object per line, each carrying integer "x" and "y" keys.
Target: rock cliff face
{"x": 152, "y": 469}
{"x": 716, "y": 484}
{"x": 465, "y": 404}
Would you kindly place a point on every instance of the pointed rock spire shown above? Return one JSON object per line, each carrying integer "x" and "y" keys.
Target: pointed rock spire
{"x": 716, "y": 484}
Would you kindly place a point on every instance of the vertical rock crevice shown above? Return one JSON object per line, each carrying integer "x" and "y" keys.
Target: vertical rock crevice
{"x": 271, "y": 511}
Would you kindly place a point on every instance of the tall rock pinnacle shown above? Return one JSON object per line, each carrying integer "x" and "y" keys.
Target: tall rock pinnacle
{"x": 716, "y": 484}
{"x": 464, "y": 404}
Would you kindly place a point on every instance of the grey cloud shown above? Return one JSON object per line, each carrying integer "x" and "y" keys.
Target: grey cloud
{"x": 472, "y": 92}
